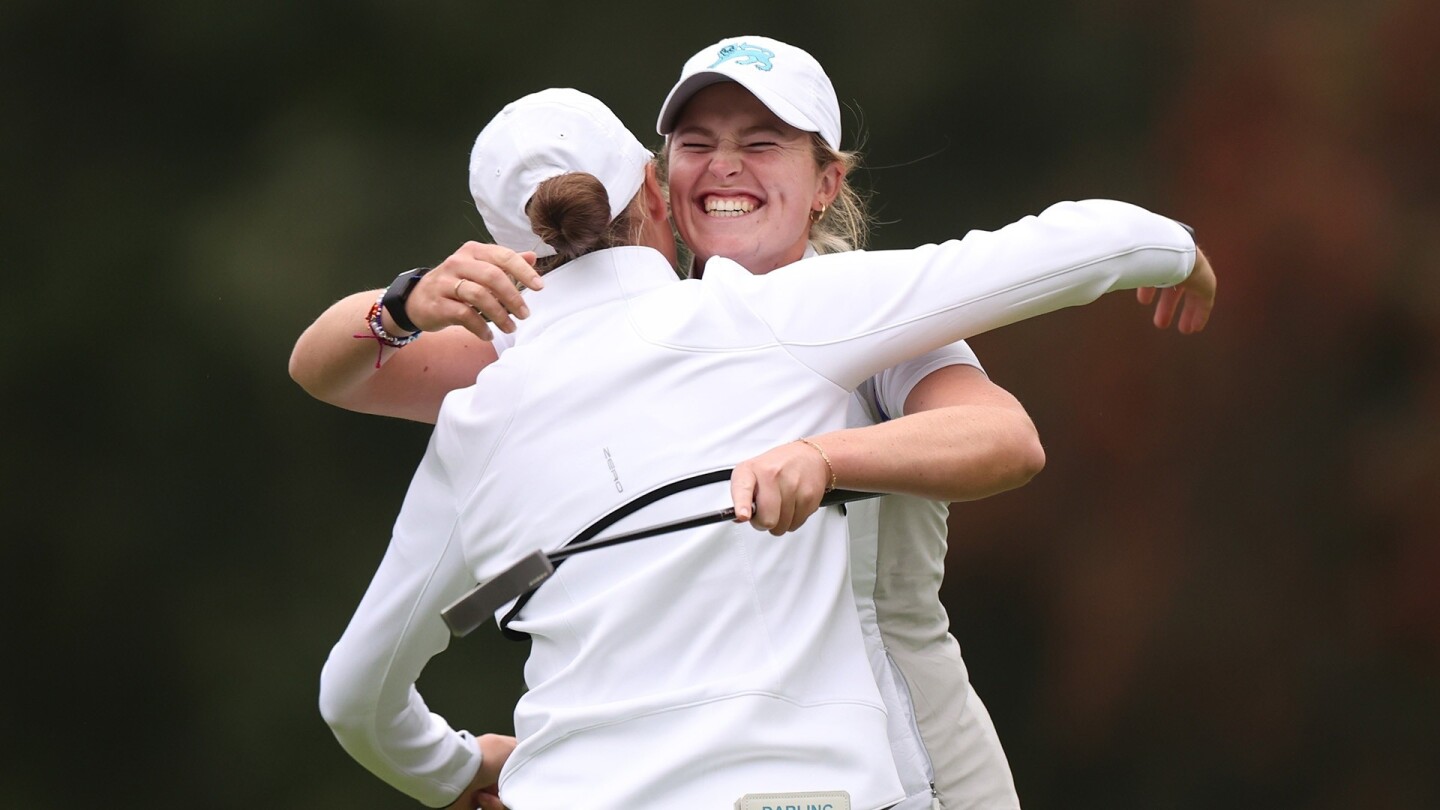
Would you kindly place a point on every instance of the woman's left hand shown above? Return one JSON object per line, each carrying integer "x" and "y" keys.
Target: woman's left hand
{"x": 483, "y": 791}
{"x": 1193, "y": 298}
{"x": 778, "y": 490}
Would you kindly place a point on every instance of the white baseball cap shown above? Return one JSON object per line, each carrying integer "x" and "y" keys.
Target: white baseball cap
{"x": 538, "y": 137}
{"x": 783, "y": 77}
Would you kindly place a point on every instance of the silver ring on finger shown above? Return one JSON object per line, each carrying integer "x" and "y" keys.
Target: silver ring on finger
{"x": 457, "y": 286}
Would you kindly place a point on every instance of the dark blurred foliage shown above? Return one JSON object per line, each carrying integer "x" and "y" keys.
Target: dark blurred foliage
{"x": 1223, "y": 591}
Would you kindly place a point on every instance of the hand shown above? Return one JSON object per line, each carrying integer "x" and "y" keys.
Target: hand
{"x": 780, "y": 489}
{"x": 483, "y": 792}
{"x": 478, "y": 282}
{"x": 1196, "y": 292}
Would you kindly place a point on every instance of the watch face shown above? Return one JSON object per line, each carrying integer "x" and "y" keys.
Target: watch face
{"x": 407, "y": 279}
{"x": 396, "y": 295}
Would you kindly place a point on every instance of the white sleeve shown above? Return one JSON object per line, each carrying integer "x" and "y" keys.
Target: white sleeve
{"x": 885, "y": 393}
{"x": 849, "y": 315}
{"x": 367, "y": 688}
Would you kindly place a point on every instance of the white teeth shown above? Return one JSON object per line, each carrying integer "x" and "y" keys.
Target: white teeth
{"x": 728, "y": 206}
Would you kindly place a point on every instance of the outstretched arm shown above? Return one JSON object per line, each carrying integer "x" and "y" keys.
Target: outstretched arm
{"x": 963, "y": 438}
{"x": 450, "y": 303}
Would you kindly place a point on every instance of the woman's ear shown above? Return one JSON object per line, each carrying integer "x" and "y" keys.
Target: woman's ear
{"x": 654, "y": 223}
{"x": 656, "y": 207}
{"x": 831, "y": 178}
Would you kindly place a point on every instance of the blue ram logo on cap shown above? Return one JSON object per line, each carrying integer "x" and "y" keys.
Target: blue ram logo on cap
{"x": 747, "y": 55}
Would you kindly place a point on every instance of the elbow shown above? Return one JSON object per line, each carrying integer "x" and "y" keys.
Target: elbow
{"x": 301, "y": 372}
{"x": 297, "y": 370}
{"x": 1029, "y": 459}
{"x": 340, "y": 703}
{"x": 310, "y": 375}
{"x": 1014, "y": 457}
{"x": 1023, "y": 456}
{"x": 1015, "y": 464}
{"x": 332, "y": 705}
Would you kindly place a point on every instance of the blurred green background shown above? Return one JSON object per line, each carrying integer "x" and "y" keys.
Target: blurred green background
{"x": 1223, "y": 591}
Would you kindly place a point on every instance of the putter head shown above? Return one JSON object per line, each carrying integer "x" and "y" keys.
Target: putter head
{"x": 479, "y": 605}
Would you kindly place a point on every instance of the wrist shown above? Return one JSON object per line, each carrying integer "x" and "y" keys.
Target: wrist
{"x": 393, "y": 300}
{"x": 390, "y": 326}
{"x": 494, "y": 751}
{"x": 825, "y": 457}
{"x": 376, "y": 330}
{"x": 377, "y": 322}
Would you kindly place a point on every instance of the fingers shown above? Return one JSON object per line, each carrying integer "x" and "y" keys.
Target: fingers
{"x": 782, "y": 488}
{"x": 489, "y": 279}
{"x": 769, "y": 506}
{"x": 804, "y": 508}
{"x": 1166, "y": 307}
{"x": 803, "y": 504}
{"x": 1199, "y": 295}
{"x": 484, "y": 792}
{"x": 1193, "y": 298}
{"x": 784, "y": 517}
{"x": 1195, "y": 315}
{"x": 525, "y": 274}
{"x": 491, "y": 304}
{"x": 742, "y": 493}
{"x": 757, "y": 498}
{"x": 476, "y": 324}
{"x": 477, "y": 285}
{"x": 488, "y": 802}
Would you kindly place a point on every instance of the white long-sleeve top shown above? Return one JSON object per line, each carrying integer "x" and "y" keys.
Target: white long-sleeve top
{"x": 897, "y": 564}
{"x": 687, "y": 670}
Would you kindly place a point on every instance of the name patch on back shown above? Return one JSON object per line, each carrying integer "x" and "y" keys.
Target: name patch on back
{"x": 814, "y": 800}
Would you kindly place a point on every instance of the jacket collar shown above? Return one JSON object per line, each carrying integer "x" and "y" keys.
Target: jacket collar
{"x": 592, "y": 280}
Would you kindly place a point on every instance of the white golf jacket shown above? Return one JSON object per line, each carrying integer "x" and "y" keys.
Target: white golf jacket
{"x": 687, "y": 670}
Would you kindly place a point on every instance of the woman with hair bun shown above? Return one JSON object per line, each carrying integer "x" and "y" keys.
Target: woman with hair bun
{"x": 719, "y": 666}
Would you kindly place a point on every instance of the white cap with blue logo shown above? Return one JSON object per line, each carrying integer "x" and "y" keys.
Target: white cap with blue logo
{"x": 544, "y": 135}
{"x": 786, "y": 79}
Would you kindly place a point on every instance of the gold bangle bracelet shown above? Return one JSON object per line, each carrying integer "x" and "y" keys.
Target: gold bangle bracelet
{"x": 831, "y": 467}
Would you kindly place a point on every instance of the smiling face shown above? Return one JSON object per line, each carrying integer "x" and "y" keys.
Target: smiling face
{"x": 743, "y": 183}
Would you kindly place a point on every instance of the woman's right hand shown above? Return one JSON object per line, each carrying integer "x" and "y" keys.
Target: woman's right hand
{"x": 475, "y": 284}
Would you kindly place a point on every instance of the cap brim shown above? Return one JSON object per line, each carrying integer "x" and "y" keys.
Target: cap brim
{"x": 681, "y": 94}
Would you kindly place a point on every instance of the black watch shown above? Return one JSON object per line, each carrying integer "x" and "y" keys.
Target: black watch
{"x": 399, "y": 292}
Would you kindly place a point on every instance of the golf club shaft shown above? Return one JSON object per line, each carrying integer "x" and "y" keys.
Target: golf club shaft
{"x": 831, "y": 498}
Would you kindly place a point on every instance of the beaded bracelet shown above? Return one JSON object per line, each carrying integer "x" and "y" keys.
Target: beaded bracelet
{"x": 833, "y": 480}
{"x": 378, "y": 333}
